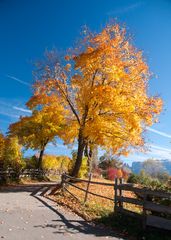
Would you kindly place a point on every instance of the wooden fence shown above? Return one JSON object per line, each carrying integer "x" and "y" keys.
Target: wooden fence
{"x": 68, "y": 180}
{"x": 146, "y": 199}
{"x": 149, "y": 200}
{"x": 32, "y": 173}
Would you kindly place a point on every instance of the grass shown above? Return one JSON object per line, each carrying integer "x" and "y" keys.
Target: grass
{"x": 132, "y": 228}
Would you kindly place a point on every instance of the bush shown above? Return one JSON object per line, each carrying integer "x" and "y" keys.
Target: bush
{"x": 133, "y": 178}
{"x": 113, "y": 173}
{"x": 147, "y": 181}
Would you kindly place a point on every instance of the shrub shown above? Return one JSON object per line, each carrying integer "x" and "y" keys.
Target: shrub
{"x": 147, "y": 181}
{"x": 113, "y": 173}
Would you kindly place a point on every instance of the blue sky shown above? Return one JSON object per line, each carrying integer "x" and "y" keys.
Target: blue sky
{"x": 29, "y": 27}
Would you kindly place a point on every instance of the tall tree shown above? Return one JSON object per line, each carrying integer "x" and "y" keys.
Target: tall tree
{"x": 37, "y": 130}
{"x": 104, "y": 87}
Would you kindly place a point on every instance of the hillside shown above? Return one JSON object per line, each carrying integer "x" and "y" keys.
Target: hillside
{"x": 137, "y": 166}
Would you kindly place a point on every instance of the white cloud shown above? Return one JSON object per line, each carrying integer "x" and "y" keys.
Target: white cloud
{"x": 159, "y": 152}
{"x": 9, "y": 114}
{"x": 160, "y": 148}
{"x": 22, "y": 109}
{"x": 18, "y": 80}
{"x": 159, "y": 132}
{"x": 8, "y": 107}
{"x": 126, "y": 9}
{"x": 154, "y": 152}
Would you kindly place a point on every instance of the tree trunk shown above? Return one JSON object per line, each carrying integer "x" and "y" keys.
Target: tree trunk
{"x": 81, "y": 145}
{"x": 40, "y": 158}
{"x": 41, "y": 153}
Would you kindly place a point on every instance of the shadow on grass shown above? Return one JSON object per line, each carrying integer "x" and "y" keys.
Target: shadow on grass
{"x": 133, "y": 228}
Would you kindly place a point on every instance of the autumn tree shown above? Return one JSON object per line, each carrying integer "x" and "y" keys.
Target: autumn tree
{"x": 12, "y": 154}
{"x": 37, "y": 130}
{"x": 60, "y": 162}
{"x": 2, "y": 144}
{"x": 103, "y": 83}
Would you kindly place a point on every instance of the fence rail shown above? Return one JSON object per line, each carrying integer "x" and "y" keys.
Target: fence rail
{"x": 149, "y": 219}
{"x": 68, "y": 180}
{"x": 10, "y": 173}
{"x": 150, "y": 209}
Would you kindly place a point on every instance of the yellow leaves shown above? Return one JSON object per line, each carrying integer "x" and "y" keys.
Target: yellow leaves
{"x": 12, "y": 154}
{"x": 89, "y": 49}
{"x": 2, "y": 145}
{"x": 67, "y": 67}
{"x": 125, "y": 153}
{"x": 67, "y": 57}
{"x": 104, "y": 91}
{"x": 41, "y": 127}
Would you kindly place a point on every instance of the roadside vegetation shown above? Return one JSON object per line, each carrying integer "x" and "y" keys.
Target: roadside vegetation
{"x": 101, "y": 211}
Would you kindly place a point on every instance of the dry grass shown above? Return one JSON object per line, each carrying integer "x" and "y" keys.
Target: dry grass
{"x": 95, "y": 207}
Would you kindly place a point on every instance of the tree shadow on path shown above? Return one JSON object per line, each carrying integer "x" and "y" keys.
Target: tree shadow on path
{"x": 64, "y": 225}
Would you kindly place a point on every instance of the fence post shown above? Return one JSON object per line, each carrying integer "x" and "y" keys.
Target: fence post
{"x": 115, "y": 190}
{"x": 144, "y": 210}
{"x": 88, "y": 184}
{"x": 120, "y": 193}
{"x": 63, "y": 181}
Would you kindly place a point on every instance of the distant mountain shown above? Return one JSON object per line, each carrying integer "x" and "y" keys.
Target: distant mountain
{"x": 137, "y": 166}
{"x": 167, "y": 165}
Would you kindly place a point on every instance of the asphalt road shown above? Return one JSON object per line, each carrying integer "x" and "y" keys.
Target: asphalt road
{"x": 26, "y": 215}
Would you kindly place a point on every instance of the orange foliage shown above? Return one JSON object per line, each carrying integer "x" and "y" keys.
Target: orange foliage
{"x": 104, "y": 90}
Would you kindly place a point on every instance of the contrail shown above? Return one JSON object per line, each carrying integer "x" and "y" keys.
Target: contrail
{"x": 22, "y": 109}
{"x": 18, "y": 80}
{"x": 159, "y": 132}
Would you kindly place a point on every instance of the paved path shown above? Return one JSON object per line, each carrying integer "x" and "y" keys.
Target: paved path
{"x": 26, "y": 215}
